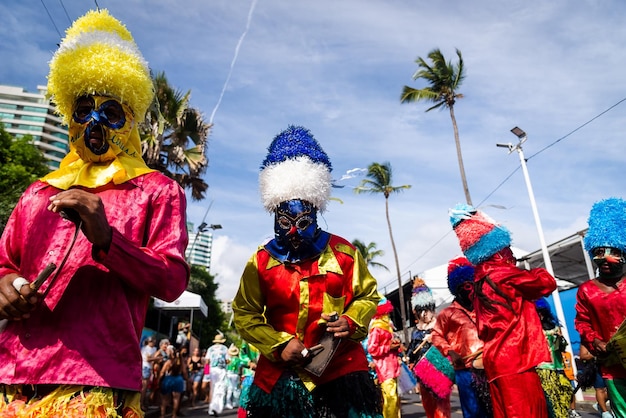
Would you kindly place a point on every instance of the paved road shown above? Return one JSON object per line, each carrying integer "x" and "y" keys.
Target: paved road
{"x": 411, "y": 408}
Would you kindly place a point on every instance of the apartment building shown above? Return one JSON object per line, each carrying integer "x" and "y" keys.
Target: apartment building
{"x": 198, "y": 252}
{"x": 24, "y": 113}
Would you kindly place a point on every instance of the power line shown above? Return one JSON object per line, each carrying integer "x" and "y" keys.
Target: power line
{"x": 65, "y": 10}
{"x": 51, "y": 20}
{"x": 577, "y": 129}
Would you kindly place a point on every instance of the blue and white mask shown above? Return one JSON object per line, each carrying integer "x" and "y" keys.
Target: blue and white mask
{"x": 297, "y": 236}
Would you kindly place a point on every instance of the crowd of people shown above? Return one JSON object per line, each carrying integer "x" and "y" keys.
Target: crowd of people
{"x": 216, "y": 377}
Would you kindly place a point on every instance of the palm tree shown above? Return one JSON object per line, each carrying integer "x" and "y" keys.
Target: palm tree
{"x": 369, "y": 253}
{"x": 443, "y": 78}
{"x": 174, "y": 140}
{"x": 378, "y": 181}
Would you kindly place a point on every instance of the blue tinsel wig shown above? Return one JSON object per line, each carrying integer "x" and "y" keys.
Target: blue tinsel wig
{"x": 548, "y": 320}
{"x": 607, "y": 225}
{"x": 460, "y": 270}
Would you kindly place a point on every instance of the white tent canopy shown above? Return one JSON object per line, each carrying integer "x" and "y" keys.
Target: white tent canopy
{"x": 188, "y": 301}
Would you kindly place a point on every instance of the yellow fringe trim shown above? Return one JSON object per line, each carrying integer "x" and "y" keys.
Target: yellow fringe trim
{"x": 71, "y": 402}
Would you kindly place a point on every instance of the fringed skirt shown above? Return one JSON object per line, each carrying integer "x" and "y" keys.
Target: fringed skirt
{"x": 68, "y": 401}
{"x": 352, "y": 396}
{"x": 558, "y": 390}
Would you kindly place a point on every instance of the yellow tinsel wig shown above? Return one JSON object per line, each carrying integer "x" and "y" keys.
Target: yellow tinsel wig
{"x": 99, "y": 56}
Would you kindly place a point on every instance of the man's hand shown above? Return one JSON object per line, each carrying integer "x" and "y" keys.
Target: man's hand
{"x": 599, "y": 345}
{"x": 455, "y": 358}
{"x": 91, "y": 211}
{"x": 293, "y": 352}
{"x": 14, "y": 304}
{"x": 395, "y": 344}
{"x": 340, "y": 327}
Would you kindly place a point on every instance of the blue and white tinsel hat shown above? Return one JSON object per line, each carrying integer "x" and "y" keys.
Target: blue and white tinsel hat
{"x": 296, "y": 167}
{"x": 607, "y": 225}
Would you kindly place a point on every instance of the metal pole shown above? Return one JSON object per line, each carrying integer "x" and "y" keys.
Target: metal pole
{"x": 548, "y": 262}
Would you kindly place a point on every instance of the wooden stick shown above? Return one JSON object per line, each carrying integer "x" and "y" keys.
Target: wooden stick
{"x": 45, "y": 273}
{"x": 474, "y": 354}
{"x": 419, "y": 347}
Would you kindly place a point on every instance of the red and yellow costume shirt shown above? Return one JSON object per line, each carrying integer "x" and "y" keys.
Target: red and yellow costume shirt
{"x": 279, "y": 301}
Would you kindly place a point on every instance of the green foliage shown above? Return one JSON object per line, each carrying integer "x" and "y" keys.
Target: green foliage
{"x": 203, "y": 283}
{"x": 175, "y": 138}
{"x": 443, "y": 79}
{"x": 369, "y": 253}
{"x": 378, "y": 181}
{"x": 21, "y": 163}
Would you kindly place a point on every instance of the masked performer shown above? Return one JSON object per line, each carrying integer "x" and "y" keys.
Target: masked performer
{"x": 124, "y": 244}
{"x": 423, "y": 305}
{"x": 507, "y": 321}
{"x": 456, "y": 336}
{"x": 292, "y": 285}
{"x": 601, "y": 302}
{"x": 383, "y": 346}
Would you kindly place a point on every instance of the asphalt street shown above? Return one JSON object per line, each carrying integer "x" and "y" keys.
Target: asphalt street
{"x": 411, "y": 408}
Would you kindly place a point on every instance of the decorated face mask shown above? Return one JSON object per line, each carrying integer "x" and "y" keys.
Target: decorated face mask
{"x": 610, "y": 262}
{"x": 295, "y": 223}
{"x": 100, "y": 128}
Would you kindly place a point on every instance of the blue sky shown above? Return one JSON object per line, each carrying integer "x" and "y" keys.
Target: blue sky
{"x": 338, "y": 67}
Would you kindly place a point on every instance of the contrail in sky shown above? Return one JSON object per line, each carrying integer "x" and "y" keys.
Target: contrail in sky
{"x": 232, "y": 64}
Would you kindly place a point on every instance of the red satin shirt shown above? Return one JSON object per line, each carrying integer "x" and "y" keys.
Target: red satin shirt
{"x": 514, "y": 340}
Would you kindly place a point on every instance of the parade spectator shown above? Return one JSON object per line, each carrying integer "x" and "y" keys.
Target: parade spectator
{"x": 195, "y": 365}
{"x": 172, "y": 380}
{"x": 383, "y": 345}
{"x": 601, "y": 302}
{"x": 233, "y": 377}
{"x": 249, "y": 356}
{"x": 293, "y": 286}
{"x": 182, "y": 337}
{"x": 456, "y": 336}
{"x": 423, "y": 305}
{"x": 216, "y": 358}
{"x": 147, "y": 359}
{"x": 121, "y": 239}
{"x": 507, "y": 321}
{"x": 206, "y": 380}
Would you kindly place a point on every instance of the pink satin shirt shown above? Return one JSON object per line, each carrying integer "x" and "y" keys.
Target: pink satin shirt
{"x": 87, "y": 330}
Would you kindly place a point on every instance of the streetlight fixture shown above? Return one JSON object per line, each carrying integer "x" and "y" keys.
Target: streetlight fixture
{"x": 521, "y": 135}
{"x": 203, "y": 227}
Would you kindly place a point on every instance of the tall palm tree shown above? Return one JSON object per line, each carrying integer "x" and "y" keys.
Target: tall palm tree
{"x": 174, "y": 140}
{"x": 378, "y": 181}
{"x": 443, "y": 78}
{"x": 369, "y": 253}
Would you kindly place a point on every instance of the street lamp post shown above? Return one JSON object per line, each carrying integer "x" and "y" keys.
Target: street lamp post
{"x": 521, "y": 135}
